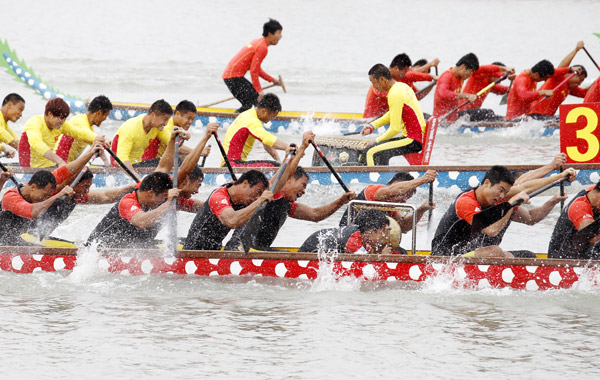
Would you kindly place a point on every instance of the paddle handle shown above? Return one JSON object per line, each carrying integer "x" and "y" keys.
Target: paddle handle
{"x": 122, "y": 165}
{"x": 589, "y": 55}
{"x": 326, "y": 161}
{"x": 12, "y": 178}
{"x": 541, "y": 190}
{"x": 225, "y": 157}
{"x": 233, "y": 97}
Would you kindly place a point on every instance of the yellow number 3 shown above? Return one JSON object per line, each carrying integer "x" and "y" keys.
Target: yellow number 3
{"x": 586, "y": 134}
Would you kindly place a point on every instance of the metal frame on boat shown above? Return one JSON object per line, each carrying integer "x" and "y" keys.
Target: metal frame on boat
{"x": 522, "y": 274}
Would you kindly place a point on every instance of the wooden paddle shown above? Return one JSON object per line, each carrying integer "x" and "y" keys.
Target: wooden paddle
{"x": 12, "y": 178}
{"x": 589, "y": 55}
{"x": 122, "y": 165}
{"x": 430, "y": 204}
{"x": 173, "y": 222}
{"x": 248, "y": 236}
{"x": 491, "y": 215}
{"x": 554, "y": 89}
{"x": 225, "y": 157}
{"x": 331, "y": 169}
{"x": 233, "y": 97}
{"x": 504, "y": 99}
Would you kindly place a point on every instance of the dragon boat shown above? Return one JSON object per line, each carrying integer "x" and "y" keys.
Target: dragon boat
{"x": 462, "y": 272}
{"x": 286, "y": 121}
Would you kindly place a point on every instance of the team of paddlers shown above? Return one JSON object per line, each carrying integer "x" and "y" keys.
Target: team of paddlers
{"x": 473, "y": 225}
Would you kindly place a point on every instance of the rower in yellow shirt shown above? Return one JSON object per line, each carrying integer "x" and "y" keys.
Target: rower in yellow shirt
{"x": 247, "y": 128}
{"x": 183, "y": 117}
{"x": 404, "y": 117}
{"x": 12, "y": 110}
{"x": 134, "y": 135}
{"x": 41, "y": 133}
{"x": 69, "y": 148}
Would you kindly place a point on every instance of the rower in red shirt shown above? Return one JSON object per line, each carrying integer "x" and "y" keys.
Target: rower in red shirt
{"x": 250, "y": 59}
{"x": 546, "y": 109}
{"x": 524, "y": 94}
{"x": 448, "y": 91}
{"x": 400, "y": 68}
{"x": 481, "y": 78}
{"x": 593, "y": 93}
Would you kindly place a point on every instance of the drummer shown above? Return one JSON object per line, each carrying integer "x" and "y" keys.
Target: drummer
{"x": 405, "y": 118}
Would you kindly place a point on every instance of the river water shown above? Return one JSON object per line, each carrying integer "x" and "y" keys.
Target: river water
{"x": 88, "y": 324}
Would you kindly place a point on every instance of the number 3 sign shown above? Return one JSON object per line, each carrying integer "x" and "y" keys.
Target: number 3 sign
{"x": 579, "y": 132}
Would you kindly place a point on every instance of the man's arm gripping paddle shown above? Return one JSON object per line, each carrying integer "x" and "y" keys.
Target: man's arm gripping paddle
{"x": 491, "y": 215}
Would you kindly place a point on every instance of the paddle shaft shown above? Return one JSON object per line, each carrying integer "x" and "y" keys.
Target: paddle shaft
{"x": 426, "y": 87}
{"x": 554, "y": 89}
{"x": 225, "y": 157}
{"x": 122, "y": 165}
{"x": 12, "y": 178}
{"x": 252, "y": 229}
{"x": 331, "y": 169}
{"x": 562, "y": 191}
{"x": 204, "y": 159}
{"x": 481, "y": 92}
{"x": 541, "y": 190}
{"x": 173, "y": 224}
{"x": 589, "y": 55}
{"x": 233, "y": 97}
{"x": 430, "y": 204}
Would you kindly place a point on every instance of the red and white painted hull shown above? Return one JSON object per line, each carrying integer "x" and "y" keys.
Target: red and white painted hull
{"x": 522, "y": 274}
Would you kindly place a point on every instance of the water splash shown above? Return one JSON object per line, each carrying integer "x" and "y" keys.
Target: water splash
{"x": 87, "y": 264}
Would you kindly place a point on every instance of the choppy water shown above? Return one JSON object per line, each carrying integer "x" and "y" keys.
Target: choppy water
{"x": 88, "y": 324}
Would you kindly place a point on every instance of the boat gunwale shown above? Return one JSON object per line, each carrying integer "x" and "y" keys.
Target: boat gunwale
{"x": 324, "y": 169}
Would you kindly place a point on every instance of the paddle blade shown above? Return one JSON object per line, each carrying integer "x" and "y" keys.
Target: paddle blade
{"x": 504, "y": 99}
{"x": 431, "y": 130}
{"x": 489, "y": 216}
{"x": 282, "y": 84}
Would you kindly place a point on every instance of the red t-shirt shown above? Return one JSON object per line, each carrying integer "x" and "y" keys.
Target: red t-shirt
{"x": 15, "y": 203}
{"x": 550, "y": 105}
{"x": 355, "y": 244}
{"x": 581, "y": 210}
{"x": 522, "y": 96}
{"x": 219, "y": 201}
{"x": 481, "y": 78}
{"x": 129, "y": 206}
{"x": 414, "y": 76}
{"x": 376, "y": 103}
{"x": 249, "y": 58}
{"x": 186, "y": 205}
{"x": 445, "y": 99}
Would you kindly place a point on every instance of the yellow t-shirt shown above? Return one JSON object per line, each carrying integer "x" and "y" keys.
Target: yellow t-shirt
{"x": 404, "y": 117}
{"x": 168, "y": 128}
{"x": 69, "y": 147}
{"x": 133, "y": 140}
{"x": 243, "y": 132}
{"x": 7, "y": 135}
{"x": 42, "y": 139}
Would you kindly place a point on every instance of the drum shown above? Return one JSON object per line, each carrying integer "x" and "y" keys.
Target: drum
{"x": 341, "y": 151}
